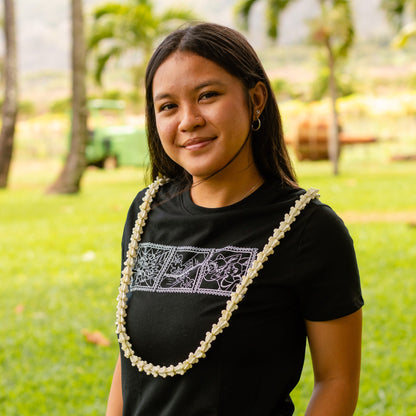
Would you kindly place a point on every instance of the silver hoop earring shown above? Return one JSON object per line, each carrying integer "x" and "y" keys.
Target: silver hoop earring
{"x": 255, "y": 126}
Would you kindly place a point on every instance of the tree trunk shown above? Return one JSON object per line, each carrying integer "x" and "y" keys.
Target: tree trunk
{"x": 69, "y": 181}
{"x": 333, "y": 136}
{"x": 10, "y": 104}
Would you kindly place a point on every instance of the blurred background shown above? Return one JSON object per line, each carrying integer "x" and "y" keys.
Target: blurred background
{"x": 73, "y": 156}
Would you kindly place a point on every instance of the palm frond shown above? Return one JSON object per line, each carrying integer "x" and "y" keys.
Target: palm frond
{"x": 98, "y": 35}
{"x": 102, "y": 61}
{"x": 395, "y": 11}
{"x": 129, "y": 26}
{"x": 273, "y": 10}
{"x": 108, "y": 9}
{"x": 177, "y": 14}
{"x": 404, "y": 35}
{"x": 172, "y": 18}
{"x": 242, "y": 11}
{"x": 345, "y": 24}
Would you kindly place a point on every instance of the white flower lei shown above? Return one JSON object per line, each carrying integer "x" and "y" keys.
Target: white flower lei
{"x": 232, "y": 303}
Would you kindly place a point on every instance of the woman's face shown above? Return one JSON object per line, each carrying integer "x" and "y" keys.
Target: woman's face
{"x": 202, "y": 115}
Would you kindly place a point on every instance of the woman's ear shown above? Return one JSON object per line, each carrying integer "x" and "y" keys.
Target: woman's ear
{"x": 258, "y": 96}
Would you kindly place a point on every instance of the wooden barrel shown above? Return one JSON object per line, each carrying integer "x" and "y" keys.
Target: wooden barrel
{"x": 311, "y": 141}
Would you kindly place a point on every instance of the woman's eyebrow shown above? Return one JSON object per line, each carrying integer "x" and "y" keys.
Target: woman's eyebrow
{"x": 161, "y": 96}
{"x": 208, "y": 83}
{"x": 203, "y": 84}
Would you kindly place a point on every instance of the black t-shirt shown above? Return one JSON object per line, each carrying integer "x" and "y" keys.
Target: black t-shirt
{"x": 190, "y": 259}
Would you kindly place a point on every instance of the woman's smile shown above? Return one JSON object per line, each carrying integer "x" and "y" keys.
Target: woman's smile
{"x": 198, "y": 143}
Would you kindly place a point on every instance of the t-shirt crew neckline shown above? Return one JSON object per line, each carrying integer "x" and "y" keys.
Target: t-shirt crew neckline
{"x": 192, "y": 208}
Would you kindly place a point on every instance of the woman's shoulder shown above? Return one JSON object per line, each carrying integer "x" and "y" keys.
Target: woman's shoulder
{"x": 323, "y": 218}
{"x": 316, "y": 221}
{"x": 166, "y": 190}
{"x": 323, "y": 234}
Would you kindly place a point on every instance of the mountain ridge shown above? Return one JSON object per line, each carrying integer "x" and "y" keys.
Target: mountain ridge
{"x": 43, "y": 26}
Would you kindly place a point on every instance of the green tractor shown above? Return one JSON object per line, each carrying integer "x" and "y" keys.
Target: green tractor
{"x": 111, "y": 141}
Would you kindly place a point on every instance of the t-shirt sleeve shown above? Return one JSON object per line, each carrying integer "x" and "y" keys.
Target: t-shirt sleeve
{"x": 329, "y": 282}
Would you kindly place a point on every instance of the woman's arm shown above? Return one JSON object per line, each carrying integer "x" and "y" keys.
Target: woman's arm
{"x": 115, "y": 399}
{"x": 336, "y": 357}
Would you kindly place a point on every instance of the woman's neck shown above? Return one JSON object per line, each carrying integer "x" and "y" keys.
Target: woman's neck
{"x": 223, "y": 190}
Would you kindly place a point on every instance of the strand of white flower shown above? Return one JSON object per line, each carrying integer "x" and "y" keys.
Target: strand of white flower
{"x": 129, "y": 263}
{"x": 231, "y": 305}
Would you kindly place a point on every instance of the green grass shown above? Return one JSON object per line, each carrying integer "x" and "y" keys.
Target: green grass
{"x": 387, "y": 258}
{"x": 369, "y": 185}
{"x": 60, "y": 259}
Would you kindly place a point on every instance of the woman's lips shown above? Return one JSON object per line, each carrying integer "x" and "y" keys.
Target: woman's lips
{"x": 197, "y": 143}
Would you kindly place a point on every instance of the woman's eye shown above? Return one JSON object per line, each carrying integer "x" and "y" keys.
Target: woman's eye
{"x": 207, "y": 95}
{"x": 166, "y": 107}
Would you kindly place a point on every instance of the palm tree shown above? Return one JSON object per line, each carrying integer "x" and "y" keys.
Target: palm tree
{"x": 129, "y": 30}
{"x": 10, "y": 104}
{"x": 333, "y": 30}
{"x": 70, "y": 177}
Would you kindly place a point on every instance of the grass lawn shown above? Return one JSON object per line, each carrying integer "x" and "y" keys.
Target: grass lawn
{"x": 60, "y": 260}
{"x": 377, "y": 201}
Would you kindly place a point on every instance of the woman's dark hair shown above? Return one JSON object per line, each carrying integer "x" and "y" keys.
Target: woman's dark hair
{"x": 231, "y": 51}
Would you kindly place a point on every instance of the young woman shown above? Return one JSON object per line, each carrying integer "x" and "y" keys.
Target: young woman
{"x": 229, "y": 266}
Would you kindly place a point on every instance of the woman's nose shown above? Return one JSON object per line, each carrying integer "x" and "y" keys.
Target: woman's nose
{"x": 190, "y": 119}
